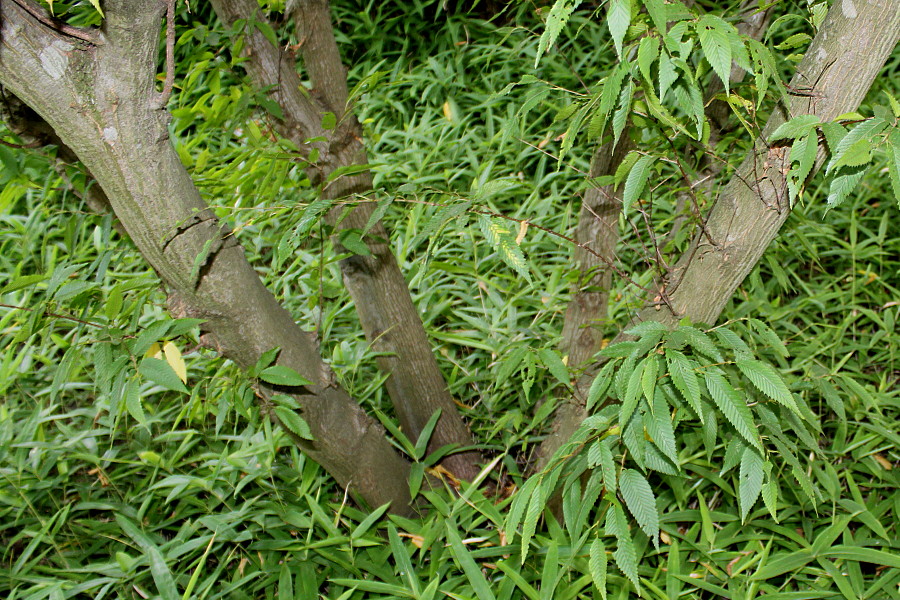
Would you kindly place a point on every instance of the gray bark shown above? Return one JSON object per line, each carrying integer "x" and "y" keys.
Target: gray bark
{"x": 97, "y": 93}
{"x": 379, "y": 290}
{"x": 840, "y": 65}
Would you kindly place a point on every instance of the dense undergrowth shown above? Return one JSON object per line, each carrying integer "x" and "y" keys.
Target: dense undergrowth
{"x": 201, "y": 497}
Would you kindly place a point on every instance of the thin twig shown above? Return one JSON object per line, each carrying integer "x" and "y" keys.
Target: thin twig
{"x": 170, "y": 55}
{"x": 86, "y": 35}
{"x": 52, "y": 314}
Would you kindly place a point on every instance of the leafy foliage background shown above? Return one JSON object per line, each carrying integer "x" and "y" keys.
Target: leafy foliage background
{"x": 120, "y": 480}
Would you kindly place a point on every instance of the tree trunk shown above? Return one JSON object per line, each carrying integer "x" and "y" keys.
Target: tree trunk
{"x": 842, "y": 61}
{"x": 389, "y": 318}
{"x": 99, "y": 97}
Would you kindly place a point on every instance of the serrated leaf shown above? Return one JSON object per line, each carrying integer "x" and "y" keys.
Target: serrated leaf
{"x": 842, "y": 185}
{"x": 685, "y": 379}
{"x": 700, "y": 342}
{"x": 770, "y": 498}
{"x": 501, "y": 237}
{"x": 383, "y": 205}
{"x": 597, "y": 565}
{"x": 667, "y": 75}
{"x": 768, "y": 381}
{"x": 159, "y": 372}
{"x": 733, "y": 407}
{"x": 636, "y": 181}
{"x": 620, "y": 116}
{"x": 625, "y": 554}
{"x": 750, "y": 480}
{"x": 657, "y": 11}
{"x": 641, "y": 502}
{"x": 618, "y": 18}
{"x": 893, "y": 156}
{"x": 632, "y": 394}
{"x": 715, "y": 40}
{"x": 797, "y": 127}
{"x": 282, "y": 375}
{"x": 133, "y": 402}
{"x": 648, "y": 51}
{"x": 556, "y": 19}
{"x": 607, "y": 467}
{"x": 351, "y": 239}
{"x": 293, "y": 422}
{"x": 650, "y": 370}
{"x": 529, "y": 523}
{"x": 867, "y": 130}
{"x": 600, "y": 385}
{"x": 658, "y": 425}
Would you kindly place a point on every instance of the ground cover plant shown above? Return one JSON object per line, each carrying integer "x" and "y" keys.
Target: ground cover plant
{"x": 561, "y": 300}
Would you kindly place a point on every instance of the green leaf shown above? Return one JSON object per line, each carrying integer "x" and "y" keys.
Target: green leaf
{"x": 842, "y": 185}
{"x": 632, "y": 393}
{"x": 597, "y": 566}
{"x": 768, "y": 381}
{"x": 867, "y": 130}
{"x": 625, "y": 554}
{"x": 685, "y": 379}
{"x": 351, "y": 239}
{"x": 657, "y": 11}
{"x": 501, "y": 237}
{"x": 556, "y": 19}
{"x": 468, "y": 564}
{"x": 159, "y": 372}
{"x": 383, "y": 205}
{"x": 293, "y": 422}
{"x": 716, "y": 38}
{"x": 734, "y": 408}
{"x": 618, "y": 19}
{"x": 552, "y": 361}
{"x": 641, "y": 502}
{"x": 648, "y": 51}
{"x": 529, "y": 523}
{"x": 636, "y": 181}
{"x": 750, "y": 480}
{"x": 133, "y": 402}
{"x": 162, "y": 576}
{"x": 797, "y": 127}
{"x": 893, "y": 156}
{"x": 282, "y": 375}
{"x": 600, "y": 385}
{"x": 401, "y": 557}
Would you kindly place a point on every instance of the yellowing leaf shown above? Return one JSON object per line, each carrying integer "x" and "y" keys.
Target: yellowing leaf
{"x": 523, "y": 229}
{"x": 154, "y": 351}
{"x": 173, "y": 357}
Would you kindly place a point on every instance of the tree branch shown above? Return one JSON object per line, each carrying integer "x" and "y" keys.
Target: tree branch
{"x": 90, "y": 36}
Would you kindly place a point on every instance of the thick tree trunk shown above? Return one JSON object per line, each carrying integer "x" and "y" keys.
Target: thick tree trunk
{"x": 99, "y": 97}
{"x": 379, "y": 290}
{"x": 842, "y": 61}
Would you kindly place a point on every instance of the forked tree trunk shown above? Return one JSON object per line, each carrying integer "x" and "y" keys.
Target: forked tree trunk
{"x": 95, "y": 88}
{"x": 389, "y": 318}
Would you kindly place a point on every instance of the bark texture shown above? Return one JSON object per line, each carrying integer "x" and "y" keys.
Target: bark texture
{"x": 839, "y": 67}
{"x": 97, "y": 93}
{"x": 389, "y": 318}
